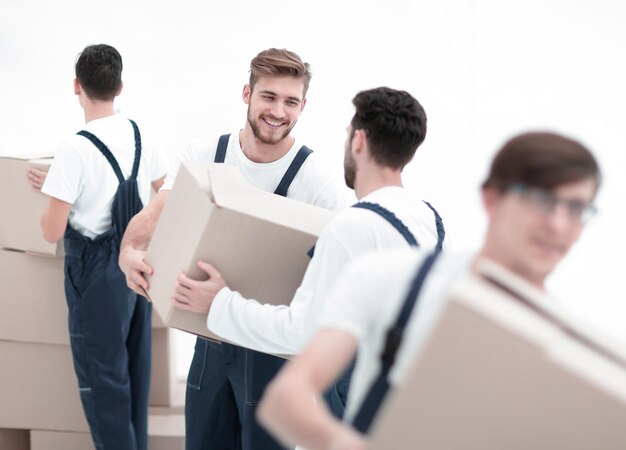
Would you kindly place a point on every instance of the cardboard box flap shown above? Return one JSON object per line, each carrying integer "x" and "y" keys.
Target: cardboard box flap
{"x": 227, "y": 182}
{"x": 229, "y": 189}
{"x": 43, "y": 157}
{"x": 552, "y": 311}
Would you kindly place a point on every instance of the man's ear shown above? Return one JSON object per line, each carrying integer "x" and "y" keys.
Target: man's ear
{"x": 358, "y": 142}
{"x": 76, "y": 87}
{"x": 490, "y": 198}
{"x": 119, "y": 91}
{"x": 303, "y": 104}
{"x": 247, "y": 91}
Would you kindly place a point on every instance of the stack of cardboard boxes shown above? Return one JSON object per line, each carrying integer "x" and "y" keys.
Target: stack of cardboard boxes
{"x": 41, "y": 407}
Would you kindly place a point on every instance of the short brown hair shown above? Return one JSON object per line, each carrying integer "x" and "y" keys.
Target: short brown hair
{"x": 541, "y": 159}
{"x": 99, "y": 71}
{"x": 394, "y": 122}
{"x": 279, "y": 62}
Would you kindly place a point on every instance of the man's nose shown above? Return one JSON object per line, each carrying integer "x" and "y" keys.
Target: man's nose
{"x": 278, "y": 109}
{"x": 560, "y": 217}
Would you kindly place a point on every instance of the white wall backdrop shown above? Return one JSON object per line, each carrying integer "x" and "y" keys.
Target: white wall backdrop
{"x": 483, "y": 69}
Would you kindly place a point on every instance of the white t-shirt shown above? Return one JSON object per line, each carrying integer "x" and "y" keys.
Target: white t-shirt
{"x": 312, "y": 184}
{"x": 366, "y": 301}
{"x": 82, "y": 176}
{"x": 285, "y": 330}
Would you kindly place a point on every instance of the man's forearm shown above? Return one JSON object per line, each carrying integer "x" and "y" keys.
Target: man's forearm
{"x": 140, "y": 229}
{"x": 266, "y": 328}
{"x": 138, "y": 233}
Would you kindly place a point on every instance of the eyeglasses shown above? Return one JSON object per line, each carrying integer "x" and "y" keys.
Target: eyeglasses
{"x": 546, "y": 202}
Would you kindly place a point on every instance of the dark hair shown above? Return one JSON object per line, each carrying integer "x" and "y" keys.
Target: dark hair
{"x": 541, "y": 159}
{"x": 99, "y": 71}
{"x": 394, "y": 122}
{"x": 279, "y": 62}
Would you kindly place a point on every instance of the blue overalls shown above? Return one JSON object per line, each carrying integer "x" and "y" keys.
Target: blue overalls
{"x": 337, "y": 395}
{"x": 380, "y": 386}
{"x": 109, "y": 325}
{"x": 226, "y": 382}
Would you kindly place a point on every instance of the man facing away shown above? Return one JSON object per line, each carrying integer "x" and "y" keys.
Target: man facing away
{"x": 384, "y": 133}
{"x": 98, "y": 179}
{"x": 538, "y": 195}
{"x": 225, "y": 382}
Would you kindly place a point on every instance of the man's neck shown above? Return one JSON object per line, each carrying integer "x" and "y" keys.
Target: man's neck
{"x": 97, "y": 110}
{"x": 259, "y": 152}
{"x": 375, "y": 178}
{"x": 489, "y": 252}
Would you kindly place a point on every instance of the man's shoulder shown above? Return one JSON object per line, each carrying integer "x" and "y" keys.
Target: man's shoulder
{"x": 201, "y": 149}
{"x": 351, "y": 221}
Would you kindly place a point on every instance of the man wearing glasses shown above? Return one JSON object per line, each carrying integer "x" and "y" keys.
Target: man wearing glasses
{"x": 538, "y": 196}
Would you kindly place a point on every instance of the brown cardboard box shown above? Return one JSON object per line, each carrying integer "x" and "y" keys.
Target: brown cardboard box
{"x": 39, "y": 388}
{"x": 22, "y": 207}
{"x": 14, "y": 439}
{"x": 37, "y": 378}
{"x": 32, "y": 296}
{"x": 506, "y": 369}
{"x": 257, "y": 240}
{"x": 164, "y": 433}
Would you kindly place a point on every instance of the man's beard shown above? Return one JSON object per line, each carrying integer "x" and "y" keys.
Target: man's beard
{"x": 349, "y": 169}
{"x": 256, "y": 132}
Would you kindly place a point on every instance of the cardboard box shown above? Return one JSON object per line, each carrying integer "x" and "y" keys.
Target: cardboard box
{"x": 22, "y": 207}
{"x": 39, "y": 388}
{"x": 14, "y": 439}
{"x": 37, "y": 378}
{"x": 164, "y": 433}
{"x": 257, "y": 240}
{"x": 506, "y": 369}
{"x": 32, "y": 296}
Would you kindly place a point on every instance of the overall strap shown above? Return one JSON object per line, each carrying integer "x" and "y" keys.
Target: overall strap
{"x": 441, "y": 231}
{"x": 222, "y": 144}
{"x": 135, "y": 171}
{"x": 392, "y": 219}
{"x": 105, "y": 151}
{"x": 389, "y": 217}
{"x": 109, "y": 156}
{"x": 378, "y": 390}
{"x": 292, "y": 170}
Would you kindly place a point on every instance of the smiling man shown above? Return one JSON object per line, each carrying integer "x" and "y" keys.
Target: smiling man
{"x": 538, "y": 196}
{"x": 225, "y": 382}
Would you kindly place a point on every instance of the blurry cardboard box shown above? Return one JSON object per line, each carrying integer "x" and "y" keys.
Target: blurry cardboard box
{"x": 164, "y": 433}
{"x": 14, "y": 439}
{"x": 505, "y": 368}
{"x": 257, "y": 240}
{"x": 22, "y": 207}
{"x": 32, "y": 296}
{"x": 39, "y": 388}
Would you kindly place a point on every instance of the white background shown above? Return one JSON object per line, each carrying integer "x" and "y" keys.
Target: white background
{"x": 483, "y": 69}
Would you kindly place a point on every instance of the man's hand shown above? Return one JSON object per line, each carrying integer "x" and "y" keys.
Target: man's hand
{"x": 197, "y": 296}
{"x": 36, "y": 177}
{"x": 132, "y": 263}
